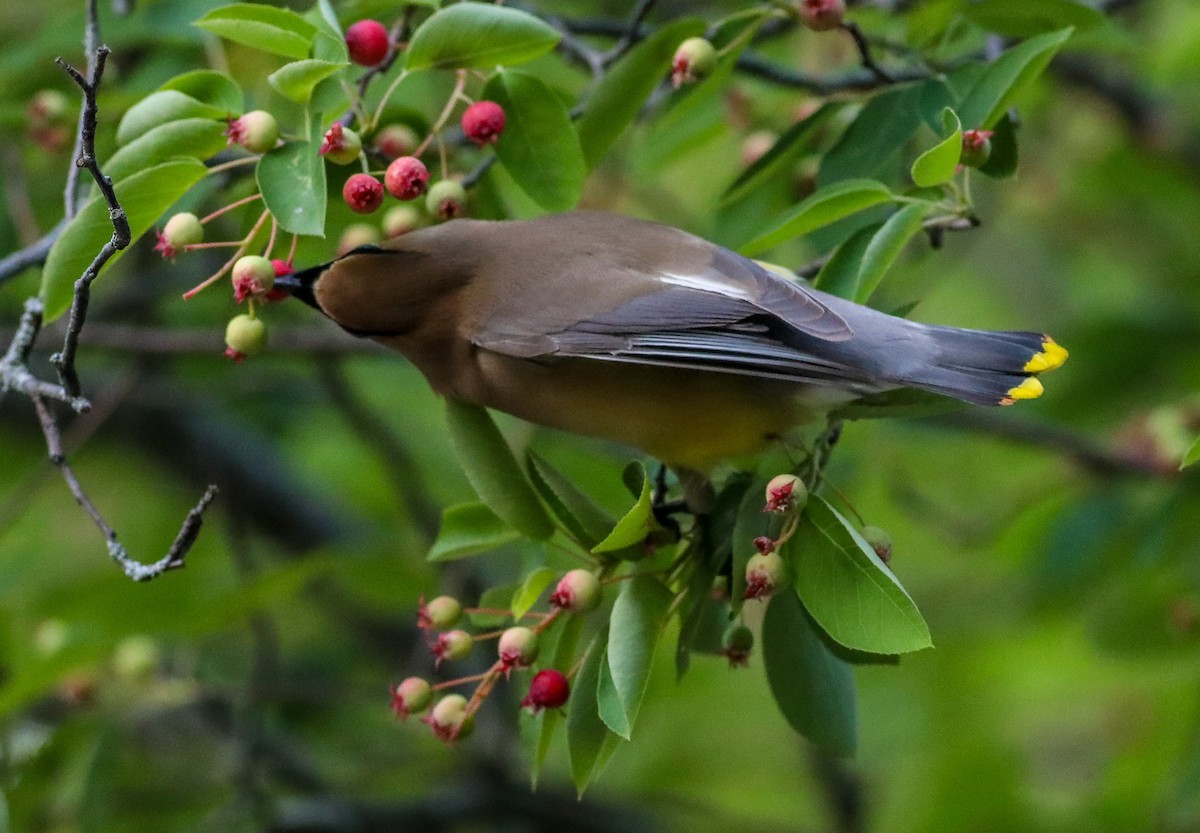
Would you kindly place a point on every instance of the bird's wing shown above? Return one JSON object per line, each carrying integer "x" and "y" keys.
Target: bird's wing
{"x": 729, "y": 315}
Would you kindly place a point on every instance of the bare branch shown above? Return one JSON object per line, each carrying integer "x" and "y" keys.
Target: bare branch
{"x": 631, "y": 35}
{"x": 864, "y": 53}
{"x": 32, "y": 255}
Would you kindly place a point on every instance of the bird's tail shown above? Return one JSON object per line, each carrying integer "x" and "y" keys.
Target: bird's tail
{"x": 985, "y": 367}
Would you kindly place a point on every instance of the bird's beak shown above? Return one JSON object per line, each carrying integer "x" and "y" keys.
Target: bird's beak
{"x": 300, "y": 284}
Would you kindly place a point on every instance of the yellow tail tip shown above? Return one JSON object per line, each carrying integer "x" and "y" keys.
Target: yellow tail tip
{"x": 1052, "y": 356}
{"x": 1031, "y": 388}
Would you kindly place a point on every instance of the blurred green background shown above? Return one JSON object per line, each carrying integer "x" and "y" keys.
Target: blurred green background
{"x": 1053, "y": 547}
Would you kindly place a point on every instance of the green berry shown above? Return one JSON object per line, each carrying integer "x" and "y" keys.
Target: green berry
{"x": 245, "y": 336}
{"x": 445, "y": 199}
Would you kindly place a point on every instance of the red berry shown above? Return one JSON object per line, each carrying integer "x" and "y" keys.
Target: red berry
{"x": 764, "y": 544}
{"x": 821, "y": 15}
{"x": 363, "y": 193}
{"x": 483, "y": 122}
{"x": 368, "y": 42}
{"x": 406, "y": 178}
{"x": 549, "y": 689}
{"x": 976, "y": 147}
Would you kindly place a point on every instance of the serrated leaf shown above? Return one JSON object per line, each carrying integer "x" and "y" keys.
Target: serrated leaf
{"x": 493, "y": 471}
{"x": 589, "y": 742}
{"x": 197, "y": 138}
{"x": 160, "y": 108}
{"x": 794, "y": 141}
{"x": 826, "y": 206}
{"x": 539, "y": 146}
{"x": 296, "y": 81}
{"x": 527, "y": 594}
{"x": 619, "y": 96}
{"x": 885, "y": 246}
{"x": 850, "y": 593}
{"x": 270, "y": 29}
{"x": 938, "y": 164}
{"x": 582, "y": 519}
{"x": 812, "y": 686}
{"x": 1022, "y": 18}
{"x": 634, "y": 526}
{"x": 144, "y": 195}
{"x": 1192, "y": 455}
{"x": 291, "y": 178}
{"x": 638, "y": 618}
{"x": 469, "y": 529}
{"x": 1007, "y": 77}
{"x": 479, "y": 36}
{"x": 210, "y": 87}
{"x": 839, "y": 275}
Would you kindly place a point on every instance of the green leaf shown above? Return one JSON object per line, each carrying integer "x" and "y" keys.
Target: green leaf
{"x": 547, "y": 721}
{"x": 469, "y": 529}
{"x": 160, "y": 108}
{"x": 635, "y": 525}
{"x": 296, "y": 81}
{"x": 938, "y": 164}
{"x": 583, "y": 520}
{"x": 329, "y": 15}
{"x": 197, "y": 138}
{"x": 813, "y": 687}
{"x": 493, "y": 471}
{"x": 479, "y": 36}
{"x": 494, "y": 598}
{"x": 1007, "y": 77}
{"x": 210, "y": 87}
{"x": 638, "y": 618}
{"x": 884, "y": 126}
{"x": 619, "y": 96}
{"x": 589, "y": 742}
{"x": 885, "y": 247}
{"x": 274, "y": 30}
{"x": 1002, "y": 162}
{"x": 772, "y": 164}
{"x": 1192, "y": 455}
{"x": 144, "y": 195}
{"x": 291, "y": 178}
{"x": 539, "y": 146}
{"x": 839, "y": 275}
{"x": 826, "y": 206}
{"x": 850, "y": 593}
{"x": 1023, "y": 18}
{"x": 527, "y": 595}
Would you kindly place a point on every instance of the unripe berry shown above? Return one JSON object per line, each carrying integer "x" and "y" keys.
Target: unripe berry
{"x": 445, "y": 199}
{"x": 406, "y": 178}
{"x": 256, "y": 131}
{"x": 756, "y": 145}
{"x": 821, "y": 15}
{"x": 879, "y": 541}
{"x": 449, "y": 719}
{"x": 363, "y": 193}
{"x": 47, "y": 107}
{"x": 412, "y": 696}
{"x": 252, "y": 275}
{"x": 244, "y": 336}
{"x": 181, "y": 230}
{"x": 367, "y": 42}
{"x": 518, "y": 647}
{"x": 440, "y": 613}
{"x": 399, "y": 220}
{"x": 695, "y": 59}
{"x": 976, "y": 147}
{"x": 136, "y": 658}
{"x": 577, "y": 592}
{"x": 341, "y": 145}
{"x": 737, "y": 642}
{"x": 355, "y": 235}
{"x": 483, "y": 122}
{"x": 784, "y": 493}
{"x": 453, "y": 645}
{"x": 548, "y": 689}
{"x": 763, "y": 574}
{"x": 396, "y": 140}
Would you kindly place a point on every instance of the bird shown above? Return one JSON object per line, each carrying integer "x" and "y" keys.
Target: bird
{"x": 647, "y": 335}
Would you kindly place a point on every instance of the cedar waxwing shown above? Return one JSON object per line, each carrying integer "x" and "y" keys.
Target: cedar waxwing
{"x": 645, "y": 334}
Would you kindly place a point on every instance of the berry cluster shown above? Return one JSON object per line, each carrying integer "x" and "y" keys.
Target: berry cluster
{"x": 452, "y": 717}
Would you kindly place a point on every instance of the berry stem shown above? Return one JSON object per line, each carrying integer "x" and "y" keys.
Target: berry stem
{"x": 187, "y": 296}
{"x": 473, "y": 678}
{"x": 232, "y": 163}
{"x": 440, "y": 124}
{"x": 384, "y": 100}
{"x": 271, "y": 239}
{"x": 231, "y": 207}
{"x": 226, "y": 244}
{"x": 292, "y": 249}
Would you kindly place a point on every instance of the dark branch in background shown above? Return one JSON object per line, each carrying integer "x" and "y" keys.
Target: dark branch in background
{"x": 864, "y": 53}
{"x": 32, "y": 255}
{"x": 14, "y": 370}
{"x": 631, "y": 35}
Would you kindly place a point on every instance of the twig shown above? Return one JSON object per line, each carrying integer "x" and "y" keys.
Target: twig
{"x": 864, "y": 52}
{"x": 91, "y": 48}
{"x": 630, "y": 36}
{"x": 32, "y": 255}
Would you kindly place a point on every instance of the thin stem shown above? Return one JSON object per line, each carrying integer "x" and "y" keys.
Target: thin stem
{"x": 383, "y": 101}
{"x": 459, "y": 85}
{"x": 226, "y": 209}
{"x": 207, "y": 282}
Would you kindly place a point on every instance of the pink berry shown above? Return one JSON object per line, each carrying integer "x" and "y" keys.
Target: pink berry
{"x": 518, "y": 648}
{"x": 256, "y": 131}
{"x": 549, "y": 689}
{"x": 406, "y": 178}
{"x": 976, "y": 147}
{"x": 396, "y": 140}
{"x": 763, "y": 575}
{"x": 368, "y": 42}
{"x": 577, "y": 592}
{"x": 363, "y": 193}
{"x": 821, "y": 15}
{"x": 450, "y": 719}
{"x": 341, "y": 145}
{"x": 483, "y": 122}
{"x": 412, "y": 696}
{"x": 785, "y": 492}
{"x": 252, "y": 276}
{"x": 440, "y": 613}
{"x": 453, "y": 645}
